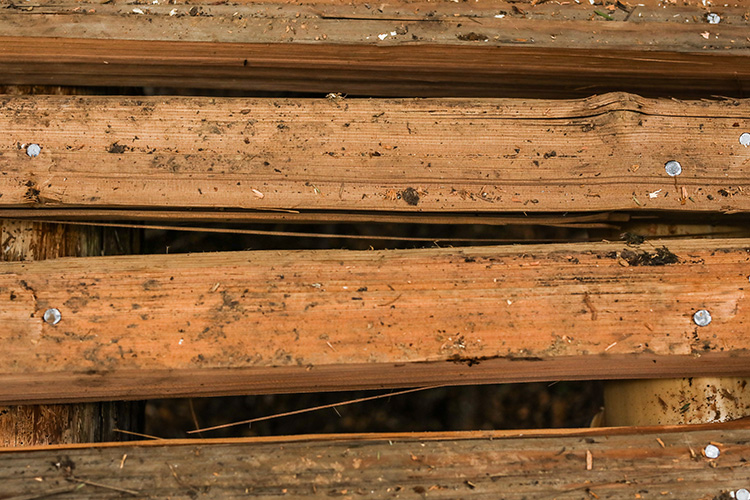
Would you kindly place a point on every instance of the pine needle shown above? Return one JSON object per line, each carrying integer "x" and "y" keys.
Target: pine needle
{"x": 315, "y": 408}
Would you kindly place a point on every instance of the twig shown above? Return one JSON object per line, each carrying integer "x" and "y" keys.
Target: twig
{"x": 195, "y": 417}
{"x": 179, "y": 481}
{"x": 391, "y": 302}
{"x": 316, "y": 408}
{"x": 104, "y": 486}
{"x": 138, "y": 434}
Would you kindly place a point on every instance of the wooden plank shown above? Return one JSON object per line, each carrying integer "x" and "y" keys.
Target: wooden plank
{"x": 397, "y": 48}
{"x": 28, "y": 425}
{"x": 272, "y": 321}
{"x": 647, "y": 463}
{"x": 598, "y": 154}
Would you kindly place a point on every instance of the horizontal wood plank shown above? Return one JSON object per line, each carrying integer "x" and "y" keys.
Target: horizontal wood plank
{"x": 271, "y": 321}
{"x": 464, "y": 155}
{"x": 609, "y": 463}
{"x": 397, "y": 48}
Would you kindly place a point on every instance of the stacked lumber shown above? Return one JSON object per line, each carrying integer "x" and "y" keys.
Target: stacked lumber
{"x": 577, "y": 116}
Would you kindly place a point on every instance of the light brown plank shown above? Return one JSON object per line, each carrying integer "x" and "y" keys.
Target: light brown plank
{"x": 602, "y": 153}
{"x": 27, "y": 425}
{"x": 395, "y": 48}
{"x": 292, "y": 321}
{"x": 647, "y": 463}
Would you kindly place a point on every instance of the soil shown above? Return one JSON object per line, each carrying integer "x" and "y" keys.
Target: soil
{"x": 661, "y": 257}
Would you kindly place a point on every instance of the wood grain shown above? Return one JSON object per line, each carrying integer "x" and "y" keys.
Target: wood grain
{"x": 28, "y": 425}
{"x": 647, "y": 463}
{"x": 254, "y": 322}
{"x": 397, "y": 48}
{"x": 459, "y": 155}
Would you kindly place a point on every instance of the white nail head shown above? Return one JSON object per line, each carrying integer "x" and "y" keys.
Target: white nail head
{"x": 702, "y": 317}
{"x": 673, "y": 168}
{"x": 33, "y": 150}
{"x": 52, "y": 316}
{"x": 712, "y": 451}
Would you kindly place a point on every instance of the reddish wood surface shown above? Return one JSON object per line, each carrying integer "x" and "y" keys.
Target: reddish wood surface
{"x": 273, "y": 321}
{"x": 28, "y": 425}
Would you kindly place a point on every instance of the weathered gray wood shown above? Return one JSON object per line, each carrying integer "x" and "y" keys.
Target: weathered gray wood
{"x": 645, "y": 463}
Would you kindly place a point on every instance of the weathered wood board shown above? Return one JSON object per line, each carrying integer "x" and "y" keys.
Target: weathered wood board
{"x": 609, "y": 463}
{"x": 289, "y": 321}
{"x": 393, "y": 48}
{"x": 458, "y": 155}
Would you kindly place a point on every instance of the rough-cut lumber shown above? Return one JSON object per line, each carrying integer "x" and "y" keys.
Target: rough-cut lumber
{"x": 396, "y": 48}
{"x": 28, "y": 425}
{"x": 272, "y": 321}
{"x": 601, "y": 153}
{"x": 610, "y": 463}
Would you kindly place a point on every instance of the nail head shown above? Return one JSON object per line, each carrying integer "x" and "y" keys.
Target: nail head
{"x": 673, "y": 168}
{"x": 52, "y": 316}
{"x": 712, "y": 451}
{"x": 702, "y": 317}
{"x": 713, "y": 18}
{"x": 33, "y": 150}
{"x": 742, "y": 494}
{"x": 745, "y": 139}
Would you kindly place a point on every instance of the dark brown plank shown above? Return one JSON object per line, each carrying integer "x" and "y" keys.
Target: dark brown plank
{"x": 397, "y": 48}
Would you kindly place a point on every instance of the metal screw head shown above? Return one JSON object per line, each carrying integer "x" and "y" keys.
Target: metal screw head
{"x": 33, "y": 150}
{"x": 745, "y": 139}
{"x": 673, "y": 168}
{"x": 742, "y": 494}
{"x": 702, "y": 317}
{"x": 711, "y": 451}
{"x": 713, "y": 18}
{"x": 52, "y": 316}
